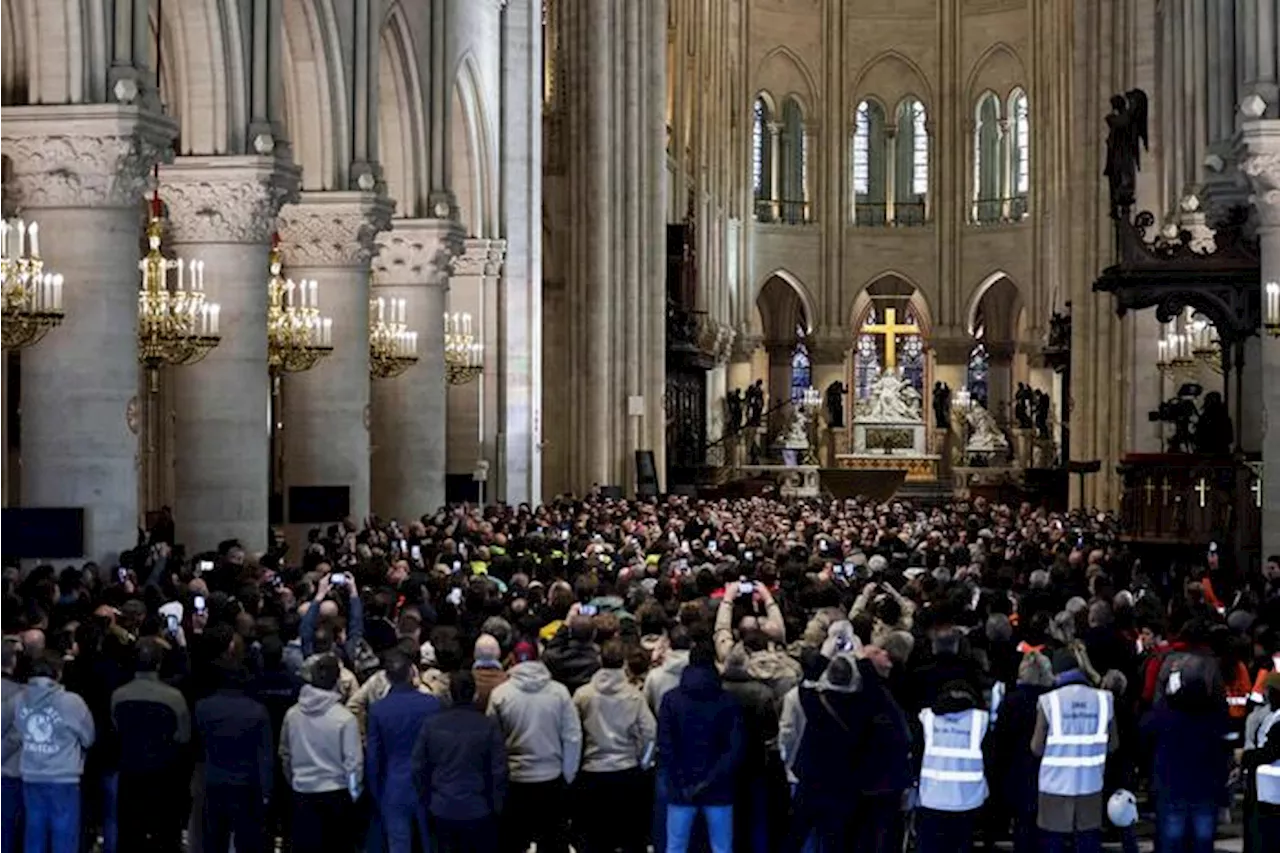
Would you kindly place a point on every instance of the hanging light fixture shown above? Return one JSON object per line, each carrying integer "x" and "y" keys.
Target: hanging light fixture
{"x": 463, "y": 354}
{"x": 1205, "y": 346}
{"x": 297, "y": 335}
{"x": 1271, "y": 308}
{"x": 393, "y": 348}
{"x": 177, "y": 325}
{"x": 32, "y": 297}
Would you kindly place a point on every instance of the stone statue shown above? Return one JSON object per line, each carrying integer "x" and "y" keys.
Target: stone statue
{"x": 755, "y": 403}
{"x": 942, "y": 405}
{"x": 1041, "y": 402}
{"x": 1060, "y": 329}
{"x": 984, "y": 433}
{"x": 1023, "y": 399}
{"x": 1213, "y": 428}
{"x": 891, "y": 399}
{"x": 1126, "y": 139}
{"x": 733, "y": 410}
{"x": 835, "y": 403}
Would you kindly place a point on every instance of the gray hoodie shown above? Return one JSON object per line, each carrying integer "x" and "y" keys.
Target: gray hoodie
{"x": 665, "y": 678}
{"x": 540, "y": 724}
{"x": 56, "y": 728}
{"x": 12, "y": 766}
{"x": 320, "y": 743}
{"x": 617, "y": 726}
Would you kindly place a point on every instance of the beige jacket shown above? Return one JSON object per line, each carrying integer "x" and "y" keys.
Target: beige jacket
{"x": 373, "y": 690}
{"x": 618, "y": 728}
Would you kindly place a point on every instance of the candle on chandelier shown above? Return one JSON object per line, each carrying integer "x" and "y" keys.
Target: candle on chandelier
{"x": 413, "y": 343}
{"x": 381, "y": 305}
{"x": 4, "y": 238}
{"x": 22, "y": 237}
{"x": 214, "y": 311}
{"x": 34, "y": 233}
{"x": 1273, "y": 302}
{"x": 403, "y": 311}
{"x": 199, "y": 265}
{"x": 182, "y": 281}
{"x": 57, "y": 291}
{"x": 326, "y": 335}
{"x": 314, "y": 287}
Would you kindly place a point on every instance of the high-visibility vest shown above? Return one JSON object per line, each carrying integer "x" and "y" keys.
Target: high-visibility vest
{"x": 1268, "y": 778}
{"x": 951, "y": 775}
{"x": 1259, "y": 694}
{"x": 1237, "y": 689}
{"x": 1075, "y": 747}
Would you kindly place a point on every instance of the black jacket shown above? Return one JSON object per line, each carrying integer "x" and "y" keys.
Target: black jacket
{"x": 238, "y": 747}
{"x": 885, "y": 765}
{"x": 572, "y": 662}
{"x": 152, "y": 723}
{"x": 1008, "y": 748}
{"x": 760, "y": 709}
{"x": 460, "y": 764}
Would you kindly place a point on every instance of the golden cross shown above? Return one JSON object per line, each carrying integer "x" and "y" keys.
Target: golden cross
{"x": 1201, "y": 489}
{"x": 1164, "y": 491}
{"x": 1150, "y": 489}
{"x": 1256, "y": 488}
{"x": 890, "y": 329}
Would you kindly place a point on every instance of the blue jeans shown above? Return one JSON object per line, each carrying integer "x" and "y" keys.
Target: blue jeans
{"x": 680, "y": 827}
{"x": 53, "y": 817}
{"x": 398, "y": 822}
{"x": 11, "y": 806}
{"x": 1087, "y": 841}
{"x": 1178, "y": 822}
{"x": 110, "y": 812}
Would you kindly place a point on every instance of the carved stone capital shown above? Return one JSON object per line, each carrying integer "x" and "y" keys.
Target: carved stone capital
{"x": 83, "y": 155}
{"x": 951, "y": 350}
{"x": 417, "y": 251}
{"x": 333, "y": 229}
{"x": 1259, "y": 161}
{"x": 226, "y": 199}
{"x": 479, "y": 257}
{"x": 744, "y": 345}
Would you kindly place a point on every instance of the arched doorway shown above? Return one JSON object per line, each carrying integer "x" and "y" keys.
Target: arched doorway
{"x": 993, "y": 325}
{"x": 785, "y": 324}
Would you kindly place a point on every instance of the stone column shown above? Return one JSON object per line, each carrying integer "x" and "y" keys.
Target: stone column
{"x": 409, "y": 421}
{"x": 1260, "y": 162}
{"x": 329, "y": 237}
{"x": 473, "y": 407}
{"x": 222, "y": 210}
{"x": 81, "y": 172}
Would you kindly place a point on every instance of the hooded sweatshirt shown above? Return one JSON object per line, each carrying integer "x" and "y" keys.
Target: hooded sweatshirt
{"x": 617, "y": 725}
{"x": 57, "y": 730}
{"x": 541, "y": 727}
{"x": 666, "y": 677}
{"x": 12, "y": 766}
{"x": 320, "y": 743}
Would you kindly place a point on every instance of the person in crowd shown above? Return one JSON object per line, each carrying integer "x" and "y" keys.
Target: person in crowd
{"x": 1262, "y": 758}
{"x": 891, "y": 611}
{"x": 618, "y": 733}
{"x": 1075, "y": 730}
{"x": 835, "y": 736}
{"x": 323, "y": 761}
{"x": 700, "y": 749}
{"x": 11, "y": 766}
{"x": 761, "y": 777}
{"x": 57, "y": 729}
{"x": 486, "y": 668}
{"x": 460, "y": 772}
{"x": 884, "y": 771}
{"x": 543, "y": 736}
{"x": 394, "y": 723}
{"x": 572, "y": 655}
{"x": 1008, "y": 749}
{"x": 664, "y": 677}
{"x": 153, "y": 724}
{"x": 239, "y": 762}
{"x": 953, "y": 781}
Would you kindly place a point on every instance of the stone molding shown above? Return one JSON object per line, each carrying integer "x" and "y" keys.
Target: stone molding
{"x": 333, "y": 229}
{"x": 226, "y": 199}
{"x": 83, "y": 155}
{"x": 479, "y": 257}
{"x": 417, "y": 252}
{"x": 1259, "y": 161}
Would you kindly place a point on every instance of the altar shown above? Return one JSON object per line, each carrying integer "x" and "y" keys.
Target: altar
{"x": 889, "y": 432}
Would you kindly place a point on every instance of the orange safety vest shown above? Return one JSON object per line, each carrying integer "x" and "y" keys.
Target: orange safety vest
{"x": 1259, "y": 693}
{"x": 1238, "y": 686}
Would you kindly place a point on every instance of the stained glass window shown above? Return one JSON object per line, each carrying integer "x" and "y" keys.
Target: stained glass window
{"x": 978, "y": 374}
{"x": 862, "y": 149}
{"x": 760, "y": 150}
{"x": 911, "y": 358}
{"x": 919, "y": 151}
{"x": 866, "y": 363}
{"x": 801, "y": 370}
{"x": 1020, "y": 150}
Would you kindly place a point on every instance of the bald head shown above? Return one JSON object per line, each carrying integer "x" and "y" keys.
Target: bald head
{"x": 32, "y": 642}
{"x": 487, "y": 648}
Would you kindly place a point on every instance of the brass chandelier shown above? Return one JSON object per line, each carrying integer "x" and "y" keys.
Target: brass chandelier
{"x": 463, "y": 354}
{"x": 177, "y": 325}
{"x": 297, "y": 336}
{"x": 32, "y": 298}
{"x": 393, "y": 348}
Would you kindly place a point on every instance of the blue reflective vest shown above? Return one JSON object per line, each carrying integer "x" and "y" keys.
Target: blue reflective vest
{"x": 1075, "y": 746}
{"x": 1268, "y": 775}
{"x": 951, "y": 775}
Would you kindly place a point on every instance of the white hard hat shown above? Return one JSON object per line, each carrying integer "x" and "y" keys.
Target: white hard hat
{"x": 1122, "y": 808}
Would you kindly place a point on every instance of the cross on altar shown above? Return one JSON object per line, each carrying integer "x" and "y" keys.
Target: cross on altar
{"x": 1202, "y": 489}
{"x": 1165, "y": 488}
{"x": 1150, "y": 489}
{"x": 890, "y": 329}
{"x": 1256, "y": 488}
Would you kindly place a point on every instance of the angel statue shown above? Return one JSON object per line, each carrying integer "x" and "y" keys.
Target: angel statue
{"x": 1126, "y": 140}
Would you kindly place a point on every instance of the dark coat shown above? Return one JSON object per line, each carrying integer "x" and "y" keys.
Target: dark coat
{"x": 460, "y": 764}
{"x": 835, "y": 735}
{"x": 572, "y": 662}
{"x": 701, "y": 740}
{"x": 394, "y": 723}
{"x": 760, "y": 710}
{"x": 1191, "y": 757}
{"x": 277, "y": 690}
{"x": 1008, "y": 748}
{"x": 235, "y": 731}
{"x": 885, "y": 766}
{"x": 936, "y": 673}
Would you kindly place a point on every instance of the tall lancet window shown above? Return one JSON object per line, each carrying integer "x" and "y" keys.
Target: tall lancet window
{"x": 762, "y": 160}
{"x": 791, "y": 160}
{"x": 911, "y": 164}
{"x": 801, "y": 367}
{"x": 1019, "y": 153}
{"x": 869, "y": 164}
{"x": 988, "y": 162}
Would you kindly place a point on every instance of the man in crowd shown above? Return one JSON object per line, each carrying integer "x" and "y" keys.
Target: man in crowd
{"x": 953, "y": 781}
{"x": 11, "y": 765}
{"x": 460, "y": 772}
{"x": 323, "y": 761}
{"x": 544, "y": 746}
{"x": 154, "y": 726}
{"x": 394, "y": 723}
{"x": 238, "y": 763}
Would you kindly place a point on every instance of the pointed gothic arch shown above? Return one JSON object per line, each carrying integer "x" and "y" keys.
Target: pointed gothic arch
{"x": 891, "y": 76}
{"x": 317, "y": 106}
{"x": 807, "y": 303}
{"x": 782, "y": 70}
{"x": 402, "y": 132}
{"x": 999, "y": 68}
{"x": 470, "y": 155}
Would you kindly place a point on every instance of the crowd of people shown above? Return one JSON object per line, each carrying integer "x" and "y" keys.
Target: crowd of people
{"x": 618, "y": 675}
